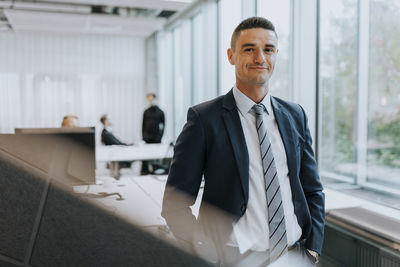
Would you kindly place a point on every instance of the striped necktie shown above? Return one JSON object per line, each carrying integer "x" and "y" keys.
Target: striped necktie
{"x": 277, "y": 228}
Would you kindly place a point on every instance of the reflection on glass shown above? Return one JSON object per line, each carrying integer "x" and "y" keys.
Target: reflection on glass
{"x": 337, "y": 87}
{"x": 383, "y": 148}
{"x": 279, "y": 14}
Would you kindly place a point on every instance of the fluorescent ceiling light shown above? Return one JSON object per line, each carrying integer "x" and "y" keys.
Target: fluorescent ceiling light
{"x": 51, "y": 7}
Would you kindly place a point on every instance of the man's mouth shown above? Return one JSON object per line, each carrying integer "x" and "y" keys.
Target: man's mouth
{"x": 258, "y": 68}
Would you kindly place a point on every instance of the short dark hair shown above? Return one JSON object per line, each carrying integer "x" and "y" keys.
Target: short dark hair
{"x": 151, "y": 94}
{"x": 251, "y": 23}
{"x": 103, "y": 118}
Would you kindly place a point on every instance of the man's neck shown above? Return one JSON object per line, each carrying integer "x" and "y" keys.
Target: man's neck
{"x": 255, "y": 93}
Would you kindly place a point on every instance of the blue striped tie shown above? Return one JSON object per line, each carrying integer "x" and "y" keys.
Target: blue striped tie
{"x": 277, "y": 227}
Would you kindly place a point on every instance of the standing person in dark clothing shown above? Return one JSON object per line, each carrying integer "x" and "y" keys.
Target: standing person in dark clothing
{"x": 153, "y": 122}
{"x": 152, "y": 128}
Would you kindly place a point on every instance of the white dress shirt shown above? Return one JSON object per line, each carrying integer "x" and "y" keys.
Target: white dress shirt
{"x": 251, "y": 232}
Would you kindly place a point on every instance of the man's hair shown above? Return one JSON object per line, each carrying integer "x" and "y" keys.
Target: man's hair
{"x": 151, "y": 94}
{"x": 103, "y": 118}
{"x": 68, "y": 121}
{"x": 251, "y": 23}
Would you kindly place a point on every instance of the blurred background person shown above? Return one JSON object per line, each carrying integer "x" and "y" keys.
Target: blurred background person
{"x": 70, "y": 121}
{"x": 152, "y": 127}
{"x": 153, "y": 122}
{"x": 107, "y": 137}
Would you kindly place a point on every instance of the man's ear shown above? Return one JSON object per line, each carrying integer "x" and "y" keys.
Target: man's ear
{"x": 230, "y": 56}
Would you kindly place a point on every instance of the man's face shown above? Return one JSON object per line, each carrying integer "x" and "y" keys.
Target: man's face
{"x": 254, "y": 56}
{"x": 149, "y": 98}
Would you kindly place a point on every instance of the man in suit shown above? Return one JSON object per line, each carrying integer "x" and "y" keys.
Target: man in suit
{"x": 108, "y": 139}
{"x": 254, "y": 151}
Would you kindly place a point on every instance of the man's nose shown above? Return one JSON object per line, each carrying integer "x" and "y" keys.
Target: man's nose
{"x": 259, "y": 56}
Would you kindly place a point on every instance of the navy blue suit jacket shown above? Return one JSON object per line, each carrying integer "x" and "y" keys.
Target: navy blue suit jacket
{"x": 212, "y": 144}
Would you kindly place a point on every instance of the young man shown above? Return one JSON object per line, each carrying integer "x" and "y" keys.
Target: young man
{"x": 255, "y": 153}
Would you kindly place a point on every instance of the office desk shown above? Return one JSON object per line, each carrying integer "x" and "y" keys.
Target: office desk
{"x": 116, "y": 154}
{"x": 142, "y": 202}
{"x": 141, "y": 205}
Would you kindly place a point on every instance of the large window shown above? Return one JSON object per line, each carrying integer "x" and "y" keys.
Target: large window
{"x": 338, "y": 87}
{"x": 359, "y": 93}
{"x": 383, "y": 141}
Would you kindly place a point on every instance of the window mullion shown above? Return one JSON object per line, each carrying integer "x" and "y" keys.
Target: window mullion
{"x": 362, "y": 92}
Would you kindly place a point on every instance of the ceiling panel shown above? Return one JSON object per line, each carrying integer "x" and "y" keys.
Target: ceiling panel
{"x": 122, "y": 17}
{"x": 148, "y": 4}
{"x": 23, "y": 20}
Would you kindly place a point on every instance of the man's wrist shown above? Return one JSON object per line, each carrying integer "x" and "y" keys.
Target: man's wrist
{"x": 314, "y": 255}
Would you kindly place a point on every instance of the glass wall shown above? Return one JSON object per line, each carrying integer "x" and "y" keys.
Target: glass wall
{"x": 187, "y": 65}
{"x": 359, "y": 93}
{"x": 279, "y": 13}
{"x": 383, "y": 141}
{"x": 338, "y": 87}
{"x": 229, "y": 16}
{"x": 166, "y": 92}
{"x": 198, "y": 62}
{"x": 182, "y": 73}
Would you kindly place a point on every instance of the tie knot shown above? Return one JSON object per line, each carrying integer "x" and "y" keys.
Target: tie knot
{"x": 258, "y": 109}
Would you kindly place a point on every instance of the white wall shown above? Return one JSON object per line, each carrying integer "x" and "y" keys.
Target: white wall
{"x": 46, "y": 76}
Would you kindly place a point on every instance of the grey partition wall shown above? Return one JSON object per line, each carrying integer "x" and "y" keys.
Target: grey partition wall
{"x": 42, "y": 223}
{"x": 20, "y": 194}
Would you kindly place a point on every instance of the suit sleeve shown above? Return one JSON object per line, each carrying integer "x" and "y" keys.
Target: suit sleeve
{"x": 163, "y": 123}
{"x": 184, "y": 179}
{"x": 110, "y": 139}
{"x": 143, "y": 122}
{"x": 312, "y": 188}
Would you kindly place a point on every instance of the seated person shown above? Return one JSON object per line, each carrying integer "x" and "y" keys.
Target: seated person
{"x": 70, "y": 121}
{"x": 108, "y": 139}
{"x": 107, "y": 136}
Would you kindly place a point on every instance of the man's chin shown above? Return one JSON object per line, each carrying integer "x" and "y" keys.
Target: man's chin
{"x": 259, "y": 82}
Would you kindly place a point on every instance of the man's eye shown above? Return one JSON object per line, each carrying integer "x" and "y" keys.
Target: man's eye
{"x": 248, "y": 50}
{"x": 269, "y": 50}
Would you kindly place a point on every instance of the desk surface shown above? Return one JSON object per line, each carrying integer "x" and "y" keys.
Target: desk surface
{"x": 135, "y": 152}
{"x": 142, "y": 199}
{"x": 142, "y": 195}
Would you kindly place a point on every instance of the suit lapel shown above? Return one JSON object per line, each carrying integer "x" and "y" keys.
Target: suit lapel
{"x": 286, "y": 130}
{"x": 236, "y": 135}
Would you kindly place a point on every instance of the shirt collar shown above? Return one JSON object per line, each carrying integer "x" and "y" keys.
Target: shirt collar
{"x": 244, "y": 103}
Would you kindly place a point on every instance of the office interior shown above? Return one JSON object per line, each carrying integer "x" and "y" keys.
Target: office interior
{"x": 340, "y": 60}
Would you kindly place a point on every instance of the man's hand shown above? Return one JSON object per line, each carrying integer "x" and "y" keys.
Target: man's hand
{"x": 314, "y": 255}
